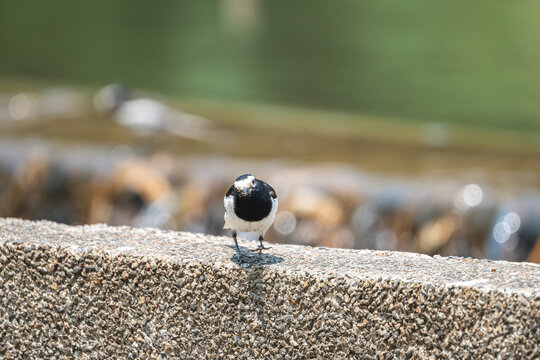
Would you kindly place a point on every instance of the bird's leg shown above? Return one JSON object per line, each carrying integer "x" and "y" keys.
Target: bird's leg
{"x": 236, "y": 243}
{"x": 261, "y": 246}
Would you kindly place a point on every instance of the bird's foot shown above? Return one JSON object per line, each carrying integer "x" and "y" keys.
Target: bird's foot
{"x": 260, "y": 249}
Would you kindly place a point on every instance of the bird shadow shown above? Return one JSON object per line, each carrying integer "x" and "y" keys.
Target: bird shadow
{"x": 254, "y": 268}
{"x": 249, "y": 258}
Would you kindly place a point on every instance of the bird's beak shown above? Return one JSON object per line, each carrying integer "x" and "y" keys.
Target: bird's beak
{"x": 246, "y": 190}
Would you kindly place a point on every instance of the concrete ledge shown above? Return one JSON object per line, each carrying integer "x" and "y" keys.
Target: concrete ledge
{"x": 92, "y": 292}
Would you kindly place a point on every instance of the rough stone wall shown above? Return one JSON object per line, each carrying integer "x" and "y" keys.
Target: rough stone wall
{"x": 94, "y": 292}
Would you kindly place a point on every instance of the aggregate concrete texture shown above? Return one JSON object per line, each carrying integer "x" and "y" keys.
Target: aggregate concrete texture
{"x": 92, "y": 292}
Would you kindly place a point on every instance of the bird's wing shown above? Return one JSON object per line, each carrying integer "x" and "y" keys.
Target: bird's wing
{"x": 271, "y": 191}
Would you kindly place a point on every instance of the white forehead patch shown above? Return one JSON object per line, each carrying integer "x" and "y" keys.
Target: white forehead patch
{"x": 244, "y": 183}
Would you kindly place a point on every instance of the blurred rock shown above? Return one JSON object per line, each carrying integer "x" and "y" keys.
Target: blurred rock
{"x": 312, "y": 203}
{"x": 534, "y": 255}
{"x": 435, "y": 234}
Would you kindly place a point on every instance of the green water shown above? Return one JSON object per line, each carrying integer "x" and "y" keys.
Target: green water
{"x": 474, "y": 63}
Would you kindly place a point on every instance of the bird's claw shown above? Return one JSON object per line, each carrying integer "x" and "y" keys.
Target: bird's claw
{"x": 260, "y": 249}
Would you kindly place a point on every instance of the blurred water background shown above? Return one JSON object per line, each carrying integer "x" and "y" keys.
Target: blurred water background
{"x": 411, "y": 126}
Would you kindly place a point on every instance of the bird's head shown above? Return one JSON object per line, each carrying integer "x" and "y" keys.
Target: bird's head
{"x": 109, "y": 98}
{"x": 244, "y": 184}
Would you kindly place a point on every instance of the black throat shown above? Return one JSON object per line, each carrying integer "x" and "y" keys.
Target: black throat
{"x": 253, "y": 206}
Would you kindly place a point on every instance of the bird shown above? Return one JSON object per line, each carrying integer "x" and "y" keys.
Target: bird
{"x": 250, "y": 206}
{"x": 146, "y": 116}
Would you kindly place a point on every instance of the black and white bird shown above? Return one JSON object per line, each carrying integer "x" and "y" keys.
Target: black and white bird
{"x": 250, "y": 206}
{"x": 147, "y": 116}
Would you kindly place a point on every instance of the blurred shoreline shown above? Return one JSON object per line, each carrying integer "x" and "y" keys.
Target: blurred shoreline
{"x": 380, "y": 145}
{"x": 332, "y": 204}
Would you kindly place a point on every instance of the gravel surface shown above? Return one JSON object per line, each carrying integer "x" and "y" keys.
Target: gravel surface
{"x": 90, "y": 292}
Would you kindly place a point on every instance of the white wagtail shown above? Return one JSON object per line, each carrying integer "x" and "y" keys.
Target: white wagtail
{"x": 250, "y": 206}
{"x": 146, "y": 116}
